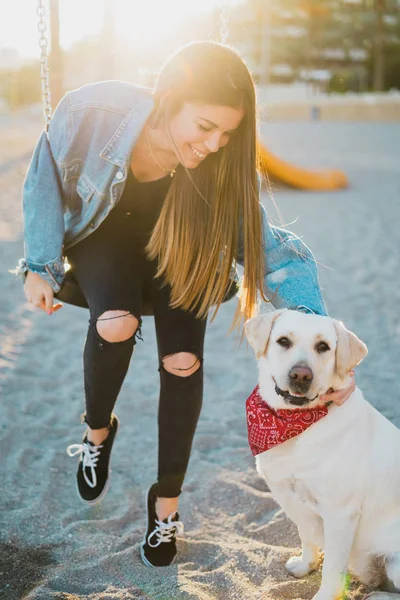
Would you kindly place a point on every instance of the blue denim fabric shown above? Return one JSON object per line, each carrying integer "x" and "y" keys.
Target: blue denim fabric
{"x": 77, "y": 175}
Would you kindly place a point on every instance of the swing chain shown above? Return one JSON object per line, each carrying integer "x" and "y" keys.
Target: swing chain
{"x": 224, "y": 7}
{"x": 44, "y": 67}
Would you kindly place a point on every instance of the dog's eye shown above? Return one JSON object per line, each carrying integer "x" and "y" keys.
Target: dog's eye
{"x": 284, "y": 342}
{"x": 322, "y": 347}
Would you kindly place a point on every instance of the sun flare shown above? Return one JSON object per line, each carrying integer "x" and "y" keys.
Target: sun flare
{"x": 141, "y": 21}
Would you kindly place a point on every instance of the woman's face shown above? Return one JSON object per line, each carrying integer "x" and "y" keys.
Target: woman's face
{"x": 199, "y": 129}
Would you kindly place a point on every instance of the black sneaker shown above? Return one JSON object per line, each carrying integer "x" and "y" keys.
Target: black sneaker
{"x": 93, "y": 475}
{"x": 158, "y": 548}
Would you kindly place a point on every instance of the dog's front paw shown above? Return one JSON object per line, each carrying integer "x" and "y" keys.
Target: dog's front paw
{"x": 296, "y": 567}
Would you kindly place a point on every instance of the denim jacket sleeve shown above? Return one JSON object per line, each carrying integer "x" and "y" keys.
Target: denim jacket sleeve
{"x": 290, "y": 271}
{"x": 43, "y": 205}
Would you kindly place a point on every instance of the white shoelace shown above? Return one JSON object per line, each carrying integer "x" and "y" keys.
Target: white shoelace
{"x": 90, "y": 457}
{"x": 165, "y": 531}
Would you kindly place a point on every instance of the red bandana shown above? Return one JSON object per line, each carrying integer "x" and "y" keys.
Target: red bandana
{"x": 268, "y": 428}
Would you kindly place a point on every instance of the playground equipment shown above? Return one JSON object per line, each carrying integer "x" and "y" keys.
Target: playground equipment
{"x": 274, "y": 168}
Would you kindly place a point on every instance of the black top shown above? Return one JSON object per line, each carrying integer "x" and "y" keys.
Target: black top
{"x": 140, "y": 205}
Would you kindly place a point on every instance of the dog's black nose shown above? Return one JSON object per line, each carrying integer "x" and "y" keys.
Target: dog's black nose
{"x": 300, "y": 377}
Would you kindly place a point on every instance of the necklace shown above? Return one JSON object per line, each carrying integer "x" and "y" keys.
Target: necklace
{"x": 170, "y": 171}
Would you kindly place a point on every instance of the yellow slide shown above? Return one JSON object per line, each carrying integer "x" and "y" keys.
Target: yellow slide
{"x": 275, "y": 168}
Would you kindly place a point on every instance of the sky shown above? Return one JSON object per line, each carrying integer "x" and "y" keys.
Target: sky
{"x": 78, "y": 18}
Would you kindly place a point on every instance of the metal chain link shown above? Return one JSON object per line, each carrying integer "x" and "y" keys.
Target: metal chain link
{"x": 224, "y": 9}
{"x": 44, "y": 68}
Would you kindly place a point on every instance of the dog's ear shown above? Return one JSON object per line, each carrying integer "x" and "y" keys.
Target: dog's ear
{"x": 258, "y": 330}
{"x": 350, "y": 350}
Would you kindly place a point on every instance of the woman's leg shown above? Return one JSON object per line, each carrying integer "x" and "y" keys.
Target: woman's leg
{"x": 181, "y": 395}
{"x": 110, "y": 280}
{"x": 180, "y": 339}
{"x": 108, "y": 350}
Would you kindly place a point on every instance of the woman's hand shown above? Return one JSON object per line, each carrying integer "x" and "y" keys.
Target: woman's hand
{"x": 40, "y": 293}
{"x": 341, "y": 396}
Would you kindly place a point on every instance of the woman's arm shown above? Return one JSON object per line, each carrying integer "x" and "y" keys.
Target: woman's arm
{"x": 43, "y": 205}
{"x": 290, "y": 270}
{"x": 291, "y": 274}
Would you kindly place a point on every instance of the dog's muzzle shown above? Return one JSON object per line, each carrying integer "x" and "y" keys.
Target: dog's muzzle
{"x": 294, "y": 400}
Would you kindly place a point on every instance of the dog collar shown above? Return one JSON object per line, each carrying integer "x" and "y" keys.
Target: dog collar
{"x": 268, "y": 428}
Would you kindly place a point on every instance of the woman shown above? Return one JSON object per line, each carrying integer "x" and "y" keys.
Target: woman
{"x": 150, "y": 196}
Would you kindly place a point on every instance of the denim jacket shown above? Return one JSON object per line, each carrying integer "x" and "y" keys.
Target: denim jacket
{"x": 73, "y": 184}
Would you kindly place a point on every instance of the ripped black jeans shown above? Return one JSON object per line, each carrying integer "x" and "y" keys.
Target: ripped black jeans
{"x": 113, "y": 272}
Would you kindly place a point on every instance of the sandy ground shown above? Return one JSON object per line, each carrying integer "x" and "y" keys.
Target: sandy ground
{"x": 237, "y": 539}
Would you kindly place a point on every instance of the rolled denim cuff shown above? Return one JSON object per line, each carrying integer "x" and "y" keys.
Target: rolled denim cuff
{"x": 53, "y": 272}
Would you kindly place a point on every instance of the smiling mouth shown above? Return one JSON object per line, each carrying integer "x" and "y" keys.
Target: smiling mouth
{"x": 293, "y": 398}
{"x": 197, "y": 152}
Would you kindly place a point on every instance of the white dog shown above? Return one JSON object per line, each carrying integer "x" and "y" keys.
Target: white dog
{"x": 339, "y": 479}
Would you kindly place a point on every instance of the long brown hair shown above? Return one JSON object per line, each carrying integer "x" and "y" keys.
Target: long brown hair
{"x": 196, "y": 235}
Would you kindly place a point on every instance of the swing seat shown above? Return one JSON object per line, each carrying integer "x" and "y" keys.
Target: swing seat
{"x": 71, "y": 293}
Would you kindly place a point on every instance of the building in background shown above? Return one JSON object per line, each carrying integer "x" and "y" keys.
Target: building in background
{"x": 338, "y": 45}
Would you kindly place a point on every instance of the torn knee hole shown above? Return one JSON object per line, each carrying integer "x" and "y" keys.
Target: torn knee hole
{"x": 117, "y": 326}
{"x": 182, "y": 364}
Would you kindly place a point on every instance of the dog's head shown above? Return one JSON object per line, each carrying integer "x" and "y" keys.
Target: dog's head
{"x": 301, "y": 356}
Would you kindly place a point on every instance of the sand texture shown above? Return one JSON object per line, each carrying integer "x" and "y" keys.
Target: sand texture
{"x": 52, "y": 547}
